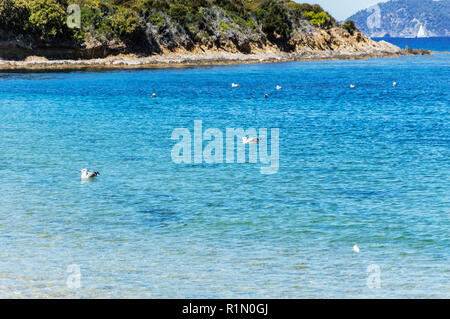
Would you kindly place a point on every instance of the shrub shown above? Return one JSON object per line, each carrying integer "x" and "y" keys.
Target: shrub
{"x": 14, "y": 15}
{"x": 224, "y": 26}
{"x": 274, "y": 20}
{"x": 47, "y": 17}
{"x": 124, "y": 22}
{"x": 349, "y": 26}
{"x": 252, "y": 25}
{"x": 321, "y": 19}
{"x": 157, "y": 19}
{"x": 233, "y": 6}
{"x": 148, "y": 6}
{"x": 178, "y": 12}
{"x": 96, "y": 21}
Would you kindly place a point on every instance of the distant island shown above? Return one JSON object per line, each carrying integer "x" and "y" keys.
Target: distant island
{"x": 137, "y": 33}
{"x": 405, "y": 19}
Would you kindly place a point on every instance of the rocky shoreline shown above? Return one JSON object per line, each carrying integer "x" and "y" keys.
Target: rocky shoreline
{"x": 173, "y": 60}
{"x": 199, "y": 57}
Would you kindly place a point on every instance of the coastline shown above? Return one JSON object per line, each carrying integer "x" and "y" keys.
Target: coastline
{"x": 188, "y": 59}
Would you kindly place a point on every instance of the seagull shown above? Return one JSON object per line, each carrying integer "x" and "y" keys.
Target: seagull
{"x": 266, "y": 96}
{"x": 251, "y": 140}
{"x": 356, "y": 249}
{"x": 394, "y": 84}
{"x": 154, "y": 95}
{"x": 235, "y": 85}
{"x": 87, "y": 175}
{"x": 278, "y": 87}
{"x": 352, "y": 86}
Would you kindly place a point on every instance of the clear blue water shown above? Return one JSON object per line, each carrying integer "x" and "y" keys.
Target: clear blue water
{"x": 368, "y": 166}
{"x": 436, "y": 43}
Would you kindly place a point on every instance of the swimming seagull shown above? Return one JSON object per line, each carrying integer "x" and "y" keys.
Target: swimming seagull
{"x": 235, "y": 85}
{"x": 356, "y": 249}
{"x": 154, "y": 95}
{"x": 266, "y": 96}
{"x": 278, "y": 87}
{"x": 352, "y": 86}
{"x": 251, "y": 140}
{"x": 87, "y": 175}
{"x": 394, "y": 84}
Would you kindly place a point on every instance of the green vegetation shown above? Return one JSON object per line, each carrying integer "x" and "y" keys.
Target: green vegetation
{"x": 43, "y": 18}
{"x": 125, "y": 20}
{"x": 11, "y": 15}
{"x": 349, "y": 26}
{"x": 320, "y": 19}
{"x": 273, "y": 17}
{"x": 224, "y": 26}
{"x": 178, "y": 12}
{"x": 47, "y": 17}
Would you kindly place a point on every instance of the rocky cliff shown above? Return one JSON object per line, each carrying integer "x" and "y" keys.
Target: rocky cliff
{"x": 405, "y": 19}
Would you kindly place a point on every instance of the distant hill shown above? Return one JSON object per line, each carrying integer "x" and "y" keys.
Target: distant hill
{"x": 405, "y": 19}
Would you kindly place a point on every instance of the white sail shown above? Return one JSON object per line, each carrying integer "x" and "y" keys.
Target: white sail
{"x": 422, "y": 32}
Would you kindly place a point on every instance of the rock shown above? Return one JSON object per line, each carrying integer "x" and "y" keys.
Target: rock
{"x": 36, "y": 59}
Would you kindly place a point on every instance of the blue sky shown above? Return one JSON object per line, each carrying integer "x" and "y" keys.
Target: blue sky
{"x": 342, "y": 9}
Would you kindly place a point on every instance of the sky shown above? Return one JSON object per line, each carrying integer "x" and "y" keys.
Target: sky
{"x": 342, "y": 9}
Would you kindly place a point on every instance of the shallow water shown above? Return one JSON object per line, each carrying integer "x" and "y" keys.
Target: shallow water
{"x": 368, "y": 166}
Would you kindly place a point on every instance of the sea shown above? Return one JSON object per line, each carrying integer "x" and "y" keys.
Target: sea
{"x": 439, "y": 44}
{"x": 366, "y": 166}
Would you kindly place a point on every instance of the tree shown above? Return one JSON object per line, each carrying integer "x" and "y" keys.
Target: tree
{"x": 349, "y": 26}
{"x": 47, "y": 17}
{"x": 14, "y": 15}
{"x": 321, "y": 19}
{"x": 178, "y": 12}
{"x": 274, "y": 20}
{"x": 124, "y": 22}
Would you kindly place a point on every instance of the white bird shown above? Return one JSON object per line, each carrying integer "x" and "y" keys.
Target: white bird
{"x": 352, "y": 86}
{"x": 266, "y": 96}
{"x": 235, "y": 85}
{"x": 356, "y": 249}
{"x": 394, "y": 84}
{"x": 278, "y": 87}
{"x": 87, "y": 175}
{"x": 154, "y": 95}
{"x": 251, "y": 140}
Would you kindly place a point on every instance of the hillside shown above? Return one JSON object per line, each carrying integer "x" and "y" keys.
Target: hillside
{"x": 155, "y": 27}
{"x": 405, "y": 19}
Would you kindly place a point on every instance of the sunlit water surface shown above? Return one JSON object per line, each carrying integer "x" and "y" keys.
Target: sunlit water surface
{"x": 367, "y": 166}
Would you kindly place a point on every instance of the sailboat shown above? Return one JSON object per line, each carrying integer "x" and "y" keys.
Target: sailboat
{"x": 422, "y": 33}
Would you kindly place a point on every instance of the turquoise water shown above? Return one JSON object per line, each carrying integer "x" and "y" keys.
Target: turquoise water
{"x": 368, "y": 166}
